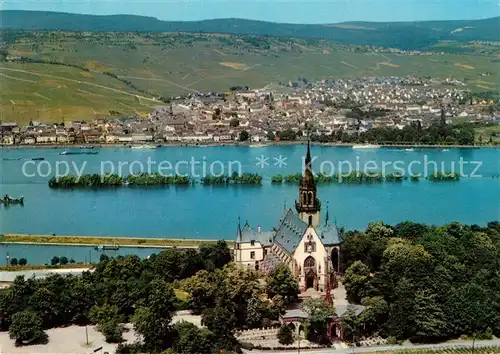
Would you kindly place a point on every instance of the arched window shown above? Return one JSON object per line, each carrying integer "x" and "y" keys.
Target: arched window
{"x": 335, "y": 259}
{"x": 309, "y": 263}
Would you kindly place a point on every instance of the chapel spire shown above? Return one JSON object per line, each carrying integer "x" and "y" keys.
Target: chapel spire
{"x": 308, "y": 205}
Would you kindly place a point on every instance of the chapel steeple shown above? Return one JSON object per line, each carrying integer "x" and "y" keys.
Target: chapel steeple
{"x": 308, "y": 205}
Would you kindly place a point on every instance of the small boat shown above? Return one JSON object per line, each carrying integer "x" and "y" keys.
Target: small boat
{"x": 366, "y": 146}
{"x": 446, "y": 150}
{"x": 39, "y": 158}
{"x": 410, "y": 149}
{"x": 6, "y": 200}
{"x": 79, "y": 153}
{"x": 107, "y": 248}
{"x": 143, "y": 147}
{"x": 11, "y": 158}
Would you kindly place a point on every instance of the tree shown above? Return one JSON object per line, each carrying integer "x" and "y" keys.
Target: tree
{"x": 350, "y": 324}
{"x": 375, "y": 313}
{"x": 281, "y": 282}
{"x": 153, "y": 321}
{"x": 356, "y": 281}
{"x": 23, "y": 261}
{"x": 285, "y": 335}
{"x": 253, "y": 316}
{"x": 26, "y": 328}
{"x": 193, "y": 340}
{"x": 320, "y": 313}
{"x": 177, "y": 264}
{"x": 202, "y": 289}
{"x": 238, "y": 287}
{"x": 234, "y": 122}
{"x": 105, "y": 313}
{"x": 221, "y": 320}
{"x": 287, "y": 135}
{"x": 244, "y": 136}
{"x": 54, "y": 261}
{"x": 410, "y": 230}
{"x": 156, "y": 331}
{"x": 427, "y": 319}
{"x": 13, "y": 262}
{"x": 63, "y": 260}
{"x": 215, "y": 256}
{"x": 112, "y": 331}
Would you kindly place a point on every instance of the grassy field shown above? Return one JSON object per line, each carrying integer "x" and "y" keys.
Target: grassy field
{"x": 168, "y": 65}
{"x": 94, "y": 241}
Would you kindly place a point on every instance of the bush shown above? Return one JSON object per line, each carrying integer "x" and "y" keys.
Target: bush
{"x": 54, "y": 261}
{"x": 105, "y": 313}
{"x": 23, "y": 261}
{"x": 13, "y": 262}
{"x": 393, "y": 341}
{"x": 63, "y": 260}
{"x": 285, "y": 335}
{"x": 26, "y": 328}
{"x": 112, "y": 331}
{"x": 134, "y": 348}
{"x": 488, "y": 335}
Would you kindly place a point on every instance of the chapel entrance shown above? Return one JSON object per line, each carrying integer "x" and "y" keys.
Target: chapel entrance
{"x": 311, "y": 276}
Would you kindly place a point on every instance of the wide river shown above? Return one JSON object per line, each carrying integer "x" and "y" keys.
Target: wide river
{"x": 211, "y": 212}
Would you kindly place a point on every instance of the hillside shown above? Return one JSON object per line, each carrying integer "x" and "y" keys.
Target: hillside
{"x": 404, "y": 35}
{"x": 78, "y": 75}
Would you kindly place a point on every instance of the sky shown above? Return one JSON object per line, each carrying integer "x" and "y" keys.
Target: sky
{"x": 302, "y": 11}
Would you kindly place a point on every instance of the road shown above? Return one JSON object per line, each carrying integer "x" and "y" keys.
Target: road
{"x": 447, "y": 345}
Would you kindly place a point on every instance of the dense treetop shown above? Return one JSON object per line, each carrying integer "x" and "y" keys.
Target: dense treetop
{"x": 424, "y": 282}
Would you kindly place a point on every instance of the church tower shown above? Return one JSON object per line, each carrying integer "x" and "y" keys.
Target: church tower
{"x": 308, "y": 205}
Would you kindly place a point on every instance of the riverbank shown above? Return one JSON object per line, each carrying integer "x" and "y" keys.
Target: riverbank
{"x": 233, "y": 144}
{"x": 51, "y": 268}
{"x": 96, "y": 241}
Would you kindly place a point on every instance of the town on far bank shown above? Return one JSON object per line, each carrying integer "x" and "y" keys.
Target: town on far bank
{"x": 390, "y": 110}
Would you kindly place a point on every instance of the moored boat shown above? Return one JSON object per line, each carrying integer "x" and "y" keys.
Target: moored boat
{"x": 107, "y": 248}
{"x": 143, "y": 147}
{"x": 366, "y": 146}
{"x": 39, "y": 158}
{"x": 79, "y": 153}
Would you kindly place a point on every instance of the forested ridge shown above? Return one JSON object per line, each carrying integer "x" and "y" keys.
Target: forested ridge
{"x": 404, "y": 35}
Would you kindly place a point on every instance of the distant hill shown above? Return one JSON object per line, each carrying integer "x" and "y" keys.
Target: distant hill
{"x": 404, "y": 35}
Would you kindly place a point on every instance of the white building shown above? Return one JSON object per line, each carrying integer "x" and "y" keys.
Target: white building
{"x": 310, "y": 248}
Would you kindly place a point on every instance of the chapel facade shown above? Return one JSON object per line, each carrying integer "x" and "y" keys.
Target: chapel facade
{"x": 309, "y": 247}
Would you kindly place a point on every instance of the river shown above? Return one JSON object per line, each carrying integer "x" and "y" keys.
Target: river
{"x": 211, "y": 212}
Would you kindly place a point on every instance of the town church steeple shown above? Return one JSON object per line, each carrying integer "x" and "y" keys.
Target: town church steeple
{"x": 308, "y": 205}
